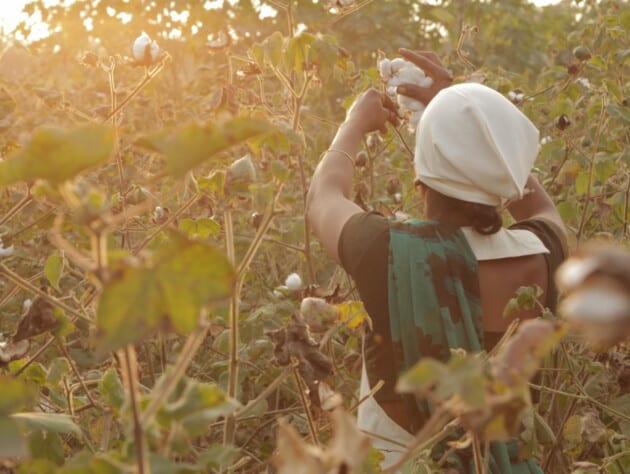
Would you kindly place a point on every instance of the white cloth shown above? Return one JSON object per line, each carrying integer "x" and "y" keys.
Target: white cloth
{"x": 473, "y": 144}
{"x": 388, "y": 436}
{"x": 505, "y": 243}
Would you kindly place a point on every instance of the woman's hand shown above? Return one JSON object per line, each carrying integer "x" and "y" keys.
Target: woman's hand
{"x": 371, "y": 111}
{"x": 432, "y": 67}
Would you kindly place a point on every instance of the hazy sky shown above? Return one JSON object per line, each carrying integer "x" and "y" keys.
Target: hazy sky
{"x": 10, "y": 11}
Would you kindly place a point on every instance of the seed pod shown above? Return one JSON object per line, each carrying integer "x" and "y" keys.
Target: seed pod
{"x": 393, "y": 186}
{"x": 361, "y": 159}
{"x": 563, "y": 122}
{"x": 256, "y": 219}
{"x": 582, "y": 53}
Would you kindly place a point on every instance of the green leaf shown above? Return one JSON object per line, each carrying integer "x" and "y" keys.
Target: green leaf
{"x": 297, "y": 52}
{"x": 324, "y": 54}
{"x": 421, "y": 377}
{"x": 272, "y": 46}
{"x": 57, "y": 154}
{"x": 53, "y": 422}
{"x": 14, "y": 395}
{"x": 46, "y": 445}
{"x": 182, "y": 277}
{"x": 279, "y": 170}
{"x": 12, "y": 443}
{"x": 193, "y": 144}
{"x": 111, "y": 389}
{"x": 57, "y": 369}
{"x": 200, "y": 228}
{"x": 581, "y": 183}
{"x": 53, "y": 269}
{"x": 218, "y": 455}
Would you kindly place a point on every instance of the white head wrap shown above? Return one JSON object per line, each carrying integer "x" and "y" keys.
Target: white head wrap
{"x": 473, "y": 144}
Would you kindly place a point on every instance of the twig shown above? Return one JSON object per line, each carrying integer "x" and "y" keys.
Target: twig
{"x": 22, "y": 283}
{"x": 307, "y": 411}
{"x": 183, "y": 361}
{"x": 77, "y": 374}
{"x": 626, "y": 208}
{"x": 591, "y": 167}
{"x": 230, "y": 422}
{"x": 39, "y": 352}
{"x": 460, "y": 45}
{"x": 265, "y": 393}
{"x": 129, "y": 361}
{"x": 25, "y": 201}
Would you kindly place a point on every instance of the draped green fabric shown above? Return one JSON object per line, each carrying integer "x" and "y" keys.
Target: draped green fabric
{"x": 434, "y": 305}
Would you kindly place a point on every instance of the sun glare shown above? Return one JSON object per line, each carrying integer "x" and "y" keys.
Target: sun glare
{"x": 11, "y": 15}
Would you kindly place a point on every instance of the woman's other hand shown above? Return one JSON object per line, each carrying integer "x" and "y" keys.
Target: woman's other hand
{"x": 371, "y": 111}
{"x": 432, "y": 67}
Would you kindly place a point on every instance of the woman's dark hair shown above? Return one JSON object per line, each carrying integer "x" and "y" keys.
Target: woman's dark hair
{"x": 483, "y": 218}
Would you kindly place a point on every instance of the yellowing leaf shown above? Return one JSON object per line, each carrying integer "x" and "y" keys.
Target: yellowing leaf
{"x": 352, "y": 313}
{"x": 183, "y": 277}
{"x": 53, "y": 268}
{"x": 193, "y": 144}
{"x": 57, "y": 154}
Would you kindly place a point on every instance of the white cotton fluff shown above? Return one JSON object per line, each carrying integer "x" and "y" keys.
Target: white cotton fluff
{"x": 140, "y": 46}
{"x": 26, "y": 305}
{"x": 293, "y": 282}
{"x": 398, "y": 71}
{"x": 5, "y": 252}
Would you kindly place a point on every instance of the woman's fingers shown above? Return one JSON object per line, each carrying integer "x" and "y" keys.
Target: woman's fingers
{"x": 429, "y": 62}
{"x": 423, "y": 94}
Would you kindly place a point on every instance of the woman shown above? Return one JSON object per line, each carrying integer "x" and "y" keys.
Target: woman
{"x": 443, "y": 282}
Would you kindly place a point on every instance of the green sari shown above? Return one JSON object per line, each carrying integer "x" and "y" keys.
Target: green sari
{"x": 434, "y": 305}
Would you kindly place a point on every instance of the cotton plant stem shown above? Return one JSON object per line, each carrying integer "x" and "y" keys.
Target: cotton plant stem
{"x": 243, "y": 412}
{"x": 25, "y": 201}
{"x": 598, "y": 134}
{"x": 188, "y": 351}
{"x": 16, "y": 289}
{"x": 151, "y": 74}
{"x": 77, "y": 374}
{"x": 24, "y": 284}
{"x": 586, "y": 398}
{"x": 307, "y": 411}
{"x": 349, "y": 11}
{"x": 119, "y": 159}
{"x": 130, "y": 368}
{"x": 230, "y": 423}
{"x": 626, "y": 208}
{"x": 40, "y": 351}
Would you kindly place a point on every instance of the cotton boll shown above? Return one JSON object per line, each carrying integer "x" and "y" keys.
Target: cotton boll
{"x": 407, "y": 104}
{"x": 140, "y": 46}
{"x": 6, "y": 251}
{"x": 293, "y": 282}
{"x": 399, "y": 63}
{"x": 385, "y": 68}
{"x": 26, "y": 305}
{"x": 143, "y": 45}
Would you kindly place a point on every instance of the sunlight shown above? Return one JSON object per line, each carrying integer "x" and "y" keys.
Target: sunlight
{"x": 11, "y": 15}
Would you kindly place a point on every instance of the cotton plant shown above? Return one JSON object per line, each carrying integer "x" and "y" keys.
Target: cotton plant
{"x": 145, "y": 50}
{"x": 399, "y": 71}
